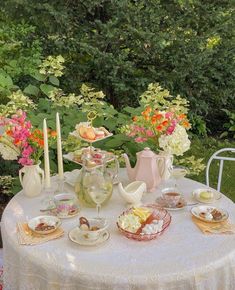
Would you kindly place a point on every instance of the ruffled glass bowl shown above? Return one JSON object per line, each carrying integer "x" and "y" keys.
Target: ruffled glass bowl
{"x": 159, "y": 214}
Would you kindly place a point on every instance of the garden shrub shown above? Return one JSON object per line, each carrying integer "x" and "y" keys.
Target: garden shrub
{"x": 120, "y": 46}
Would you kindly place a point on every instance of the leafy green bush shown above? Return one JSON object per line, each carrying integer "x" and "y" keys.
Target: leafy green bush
{"x": 229, "y": 125}
{"x": 121, "y": 46}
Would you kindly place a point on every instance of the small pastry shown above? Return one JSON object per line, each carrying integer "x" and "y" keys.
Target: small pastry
{"x": 84, "y": 224}
{"x": 217, "y": 215}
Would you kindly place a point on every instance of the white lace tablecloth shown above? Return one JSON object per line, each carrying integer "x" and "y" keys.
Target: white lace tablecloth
{"x": 181, "y": 259}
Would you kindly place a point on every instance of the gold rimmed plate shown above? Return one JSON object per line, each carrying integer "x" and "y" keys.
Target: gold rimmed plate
{"x": 209, "y": 214}
{"x": 206, "y": 195}
{"x": 44, "y": 224}
{"x": 76, "y": 237}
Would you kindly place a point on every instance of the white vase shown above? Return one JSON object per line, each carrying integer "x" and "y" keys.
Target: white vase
{"x": 166, "y": 165}
{"x": 31, "y": 179}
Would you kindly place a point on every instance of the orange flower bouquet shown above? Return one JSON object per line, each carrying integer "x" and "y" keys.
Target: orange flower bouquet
{"x": 162, "y": 122}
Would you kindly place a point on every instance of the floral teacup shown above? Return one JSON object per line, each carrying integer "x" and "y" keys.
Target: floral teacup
{"x": 66, "y": 204}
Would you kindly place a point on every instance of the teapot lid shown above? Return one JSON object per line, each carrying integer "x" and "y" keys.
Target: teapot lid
{"x": 146, "y": 153}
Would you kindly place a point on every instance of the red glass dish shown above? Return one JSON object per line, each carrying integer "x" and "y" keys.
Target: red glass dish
{"x": 159, "y": 213}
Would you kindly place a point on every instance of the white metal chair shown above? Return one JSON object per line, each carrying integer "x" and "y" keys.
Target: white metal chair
{"x": 216, "y": 156}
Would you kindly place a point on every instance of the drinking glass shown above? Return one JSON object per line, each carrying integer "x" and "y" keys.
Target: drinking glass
{"x": 98, "y": 195}
{"x": 177, "y": 172}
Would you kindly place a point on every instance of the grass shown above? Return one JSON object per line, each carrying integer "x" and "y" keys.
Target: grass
{"x": 204, "y": 148}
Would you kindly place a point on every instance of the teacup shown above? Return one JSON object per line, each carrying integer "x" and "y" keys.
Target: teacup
{"x": 96, "y": 227}
{"x": 66, "y": 204}
{"x": 171, "y": 195}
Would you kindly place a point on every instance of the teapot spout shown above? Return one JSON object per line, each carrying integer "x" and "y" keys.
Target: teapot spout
{"x": 130, "y": 170}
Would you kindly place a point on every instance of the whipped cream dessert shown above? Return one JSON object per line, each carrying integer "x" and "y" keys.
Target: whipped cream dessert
{"x": 154, "y": 227}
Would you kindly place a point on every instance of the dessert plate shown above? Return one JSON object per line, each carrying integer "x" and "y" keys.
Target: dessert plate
{"x": 160, "y": 201}
{"x": 77, "y": 135}
{"x": 206, "y": 195}
{"x": 209, "y": 213}
{"x": 44, "y": 224}
{"x": 72, "y": 157}
{"x": 76, "y": 237}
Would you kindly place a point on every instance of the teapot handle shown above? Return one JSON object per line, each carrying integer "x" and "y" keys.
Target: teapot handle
{"x": 162, "y": 168}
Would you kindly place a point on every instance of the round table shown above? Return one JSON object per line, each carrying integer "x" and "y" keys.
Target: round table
{"x": 183, "y": 258}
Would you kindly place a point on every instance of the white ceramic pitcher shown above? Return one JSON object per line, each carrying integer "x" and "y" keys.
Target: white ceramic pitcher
{"x": 31, "y": 179}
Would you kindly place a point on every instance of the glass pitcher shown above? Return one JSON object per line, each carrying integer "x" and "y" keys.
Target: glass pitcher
{"x": 95, "y": 182}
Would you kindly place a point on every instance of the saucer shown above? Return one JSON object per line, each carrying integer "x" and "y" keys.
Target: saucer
{"x": 76, "y": 237}
{"x": 196, "y": 195}
{"x": 69, "y": 215}
{"x": 160, "y": 201}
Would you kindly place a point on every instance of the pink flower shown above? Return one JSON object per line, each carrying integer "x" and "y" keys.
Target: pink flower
{"x": 25, "y": 161}
{"x": 169, "y": 115}
{"x": 170, "y": 129}
{"x": 140, "y": 139}
{"x": 27, "y": 151}
{"x": 149, "y": 133}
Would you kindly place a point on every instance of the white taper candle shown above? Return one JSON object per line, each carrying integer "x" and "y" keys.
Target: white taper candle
{"x": 59, "y": 148}
{"x": 46, "y": 156}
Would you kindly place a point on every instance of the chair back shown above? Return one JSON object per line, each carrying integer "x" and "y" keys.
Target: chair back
{"x": 216, "y": 156}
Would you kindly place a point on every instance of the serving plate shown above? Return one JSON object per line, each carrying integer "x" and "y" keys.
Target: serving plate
{"x": 77, "y": 135}
{"x": 157, "y": 213}
{"x": 200, "y": 212}
{"x": 44, "y": 219}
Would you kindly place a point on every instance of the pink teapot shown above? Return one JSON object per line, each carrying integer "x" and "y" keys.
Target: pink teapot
{"x": 149, "y": 168}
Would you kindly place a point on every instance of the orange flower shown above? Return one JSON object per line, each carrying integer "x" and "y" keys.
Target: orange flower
{"x": 165, "y": 123}
{"x": 134, "y": 119}
{"x": 153, "y": 120}
{"x": 38, "y": 132}
{"x": 9, "y": 132}
{"x": 182, "y": 116}
{"x": 159, "y": 128}
{"x": 186, "y": 124}
{"x": 146, "y": 111}
{"x": 158, "y": 116}
{"x": 41, "y": 143}
{"x": 146, "y": 118}
{"x": 53, "y": 133}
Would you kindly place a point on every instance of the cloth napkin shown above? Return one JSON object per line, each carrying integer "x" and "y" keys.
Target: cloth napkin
{"x": 28, "y": 237}
{"x": 215, "y": 228}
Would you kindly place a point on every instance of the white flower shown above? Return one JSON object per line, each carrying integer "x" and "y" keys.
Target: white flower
{"x": 7, "y": 152}
{"x": 177, "y": 143}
